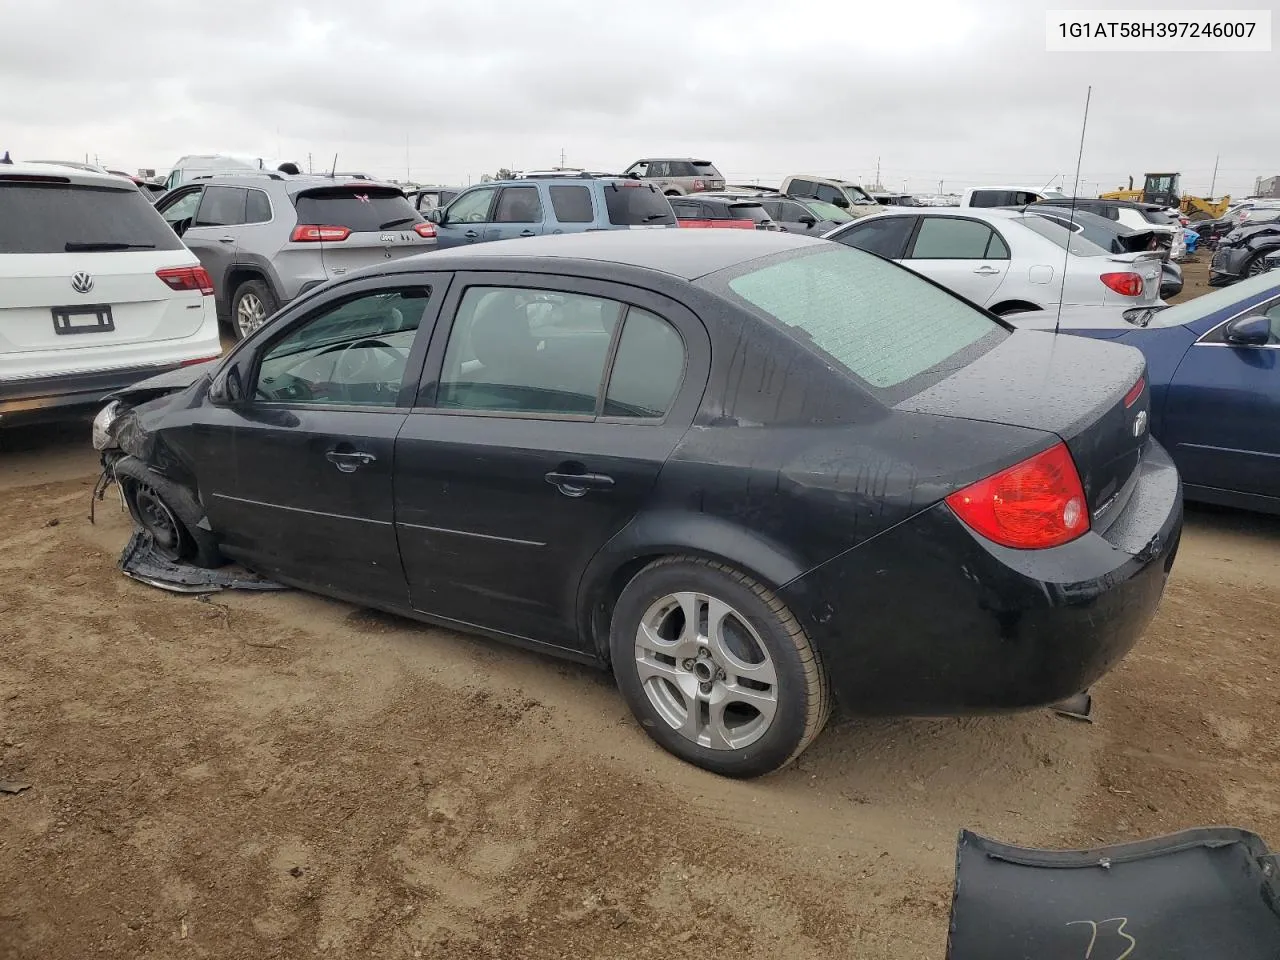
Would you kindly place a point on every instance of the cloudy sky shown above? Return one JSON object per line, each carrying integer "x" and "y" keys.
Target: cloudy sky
{"x": 962, "y": 92}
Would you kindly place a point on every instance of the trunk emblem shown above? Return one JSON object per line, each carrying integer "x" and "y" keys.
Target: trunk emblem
{"x": 82, "y": 282}
{"x": 387, "y": 238}
{"x": 1140, "y": 423}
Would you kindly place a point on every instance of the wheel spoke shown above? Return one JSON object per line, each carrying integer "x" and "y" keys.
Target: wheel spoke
{"x": 691, "y": 607}
{"x": 648, "y": 667}
{"x": 717, "y": 732}
{"x": 764, "y": 701}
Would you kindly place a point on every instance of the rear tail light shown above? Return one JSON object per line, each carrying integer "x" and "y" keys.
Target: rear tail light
{"x": 427, "y": 230}
{"x": 1125, "y": 284}
{"x": 310, "y": 233}
{"x": 718, "y": 224}
{"x": 1032, "y": 505}
{"x": 1134, "y": 393}
{"x": 699, "y": 185}
{"x": 187, "y": 278}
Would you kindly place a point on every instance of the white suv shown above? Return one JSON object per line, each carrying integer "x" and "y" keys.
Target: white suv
{"x": 96, "y": 292}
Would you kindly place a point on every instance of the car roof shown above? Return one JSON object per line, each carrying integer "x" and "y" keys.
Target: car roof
{"x": 732, "y": 199}
{"x": 684, "y": 159}
{"x": 687, "y": 254}
{"x": 818, "y": 178}
{"x": 75, "y": 175}
{"x": 293, "y": 184}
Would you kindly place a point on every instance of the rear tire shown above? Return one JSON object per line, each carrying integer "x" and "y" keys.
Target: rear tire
{"x": 169, "y": 513}
{"x": 673, "y": 193}
{"x": 252, "y": 305}
{"x": 742, "y": 692}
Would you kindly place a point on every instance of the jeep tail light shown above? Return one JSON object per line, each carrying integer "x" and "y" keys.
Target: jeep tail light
{"x": 699, "y": 185}
{"x": 1125, "y": 284}
{"x": 426, "y": 230}
{"x": 310, "y": 233}
{"x": 1032, "y": 505}
{"x": 187, "y": 278}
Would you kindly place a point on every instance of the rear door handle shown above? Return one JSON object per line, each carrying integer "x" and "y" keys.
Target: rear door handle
{"x": 349, "y": 461}
{"x": 226, "y": 239}
{"x": 577, "y": 484}
{"x": 986, "y": 271}
{"x": 526, "y": 233}
{"x": 471, "y": 234}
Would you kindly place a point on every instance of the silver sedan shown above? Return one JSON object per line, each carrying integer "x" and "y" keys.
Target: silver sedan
{"x": 1006, "y": 260}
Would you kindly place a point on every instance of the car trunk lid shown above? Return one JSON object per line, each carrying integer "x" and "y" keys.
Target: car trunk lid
{"x": 1091, "y": 394}
{"x": 370, "y": 224}
{"x": 76, "y": 301}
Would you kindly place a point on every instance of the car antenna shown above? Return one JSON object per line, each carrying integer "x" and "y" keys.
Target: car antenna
{"x": 1075, "y": 192}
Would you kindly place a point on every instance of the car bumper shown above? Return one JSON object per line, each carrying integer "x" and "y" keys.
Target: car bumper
{"x": 63, "y": 396}
{"x": 930, "y": 619}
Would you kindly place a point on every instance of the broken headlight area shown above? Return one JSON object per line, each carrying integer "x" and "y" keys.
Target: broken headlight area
{"x": 103, "y": 426}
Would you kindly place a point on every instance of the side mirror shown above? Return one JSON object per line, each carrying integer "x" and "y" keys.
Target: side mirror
{"x": 809, "y": 222}
{"x": 228, "y": 387}
{"x": 1251, "y": 331}
{"x": 435, "y": 215}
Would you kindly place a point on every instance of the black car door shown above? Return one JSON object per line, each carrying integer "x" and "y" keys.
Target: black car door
{"x": 548, "y": 407}
{"x": 297, "y": 476}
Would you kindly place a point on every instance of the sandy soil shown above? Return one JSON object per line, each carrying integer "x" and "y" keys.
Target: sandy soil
{"x": 285, "y": 776}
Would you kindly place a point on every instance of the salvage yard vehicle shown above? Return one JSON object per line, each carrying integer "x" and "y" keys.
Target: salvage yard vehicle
{"x": 846, "y": 195}
{"x": 552, "y": 203}
{"x": 1215, "y": 388}
{"x": 270, "y": 237}
{"x": 808, "y": 216}
{"x": 1005, "y": 260}
{"x": 1005, "y": 196}
{"x": 753, "y": 472}
{"x": 96, "y": 292}
{"x": 424, "y": 199}
{"x": 678, "y": 177}
{"x": 711, "y": 212}
{"x": 1135, "y": 216}
{"x": 1243, "y": 252}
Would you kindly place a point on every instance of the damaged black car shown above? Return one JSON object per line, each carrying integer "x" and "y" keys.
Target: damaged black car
{"x": 756, "y": 474}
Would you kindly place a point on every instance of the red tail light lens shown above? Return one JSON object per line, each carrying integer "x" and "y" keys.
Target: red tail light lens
{"x": 1134, "y": 393}
{"x": 310, "y": 233}
{"x": 187, "y": 278}
{"x": 1032, "y": 505}
{"x": 1125, "y": 284}
{"x": 699, "y": 185}
{"x": 427, "y": 230}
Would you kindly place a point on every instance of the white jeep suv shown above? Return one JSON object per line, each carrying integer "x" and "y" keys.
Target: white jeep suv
{"x": 96, "y": 292}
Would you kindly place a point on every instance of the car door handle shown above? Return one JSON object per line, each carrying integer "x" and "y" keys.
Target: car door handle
{"x": 226, "y": 239}
{"x": 986, "y": 271}
{"x": 526, "y": 233}
{"x": 471, "y": 234}
{"x": 348, "y": 461}
{"x": 577, "y": 484}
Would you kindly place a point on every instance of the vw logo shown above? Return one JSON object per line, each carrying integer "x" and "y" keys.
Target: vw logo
{"x": 1140, "y": 423}
{"x": 82, "y": 282}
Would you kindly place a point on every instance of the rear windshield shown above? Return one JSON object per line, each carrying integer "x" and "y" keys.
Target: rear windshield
{"x": 748, "y": 211}
{"x": 1073, "y": 243}
{"x": 359, "y": 209}
{"x": 47, "y": 217}
{"x": 880, "y": 322}
{"x": 637, "y": 204}
{"x": 705, "y": 168}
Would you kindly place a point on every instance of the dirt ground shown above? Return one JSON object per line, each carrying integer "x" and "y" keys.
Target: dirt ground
{"x": 284, "y": 776}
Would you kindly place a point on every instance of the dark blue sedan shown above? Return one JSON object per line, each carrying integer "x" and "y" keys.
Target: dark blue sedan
{"x": 1214, "y": 367}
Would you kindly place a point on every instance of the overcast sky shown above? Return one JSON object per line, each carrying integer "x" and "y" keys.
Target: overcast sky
{"x": 445, "y": 91}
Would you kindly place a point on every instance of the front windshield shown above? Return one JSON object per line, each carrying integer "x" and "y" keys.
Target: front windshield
{"x": 1202, "y": 306}
{"x": 827, "y": 211}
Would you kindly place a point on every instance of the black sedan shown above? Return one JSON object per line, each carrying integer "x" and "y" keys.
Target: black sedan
{"x": 752, "y": 472}
{"x": 1243, "y": 252}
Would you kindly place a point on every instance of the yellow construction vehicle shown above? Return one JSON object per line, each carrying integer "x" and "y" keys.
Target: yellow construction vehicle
{"x": 1165, "y": 189}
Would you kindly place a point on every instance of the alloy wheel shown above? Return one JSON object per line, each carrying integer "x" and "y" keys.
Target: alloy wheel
{"x": 706, "y": 671}
{"x": 1257, "y": 266}
{"x": 250, "y": 313}
{"x": 158, "y": 520}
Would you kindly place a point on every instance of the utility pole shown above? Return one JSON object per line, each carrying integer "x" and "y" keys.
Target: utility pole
{"x": 1214, "y": 182}
{"x": 562, "y": 158}
{"x": 879, "y": 185}
{"x": 309, "y": 168}
{"x": 939, "y": 188}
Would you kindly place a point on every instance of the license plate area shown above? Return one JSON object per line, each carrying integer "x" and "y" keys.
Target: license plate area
{"x": 89, "y": 318}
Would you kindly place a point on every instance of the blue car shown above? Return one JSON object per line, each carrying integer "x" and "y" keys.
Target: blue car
{"x": 539, "y": 204}
{"x": 1214, "y": 369}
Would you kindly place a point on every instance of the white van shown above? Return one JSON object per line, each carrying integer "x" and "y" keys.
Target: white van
{"x": 213, "y": 165}
{"x": 96, "y": 292}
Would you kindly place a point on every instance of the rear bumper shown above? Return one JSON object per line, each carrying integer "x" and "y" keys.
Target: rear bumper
{"x": 930, "y": 619}
{"x": 63, "y": 396}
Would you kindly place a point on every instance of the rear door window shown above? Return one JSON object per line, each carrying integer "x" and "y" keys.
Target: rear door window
{"x": 647, "y": 368}
{"x": 884, "y": 236}
{"x": 359, "y": 209}
{"x": 572, "y": 204}
{"x": 991, "y": 198}
{"x": 801, "y": 188}
{"x": 637, "y": 205}
{"x": 518, "y": 205}
{"x": 1072, "y": 242}
{"x": 47, "y": 217}
{"x": 950, "y": 238}
{"x": 221, "y": 207}
{"x": 883, "y": 324}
